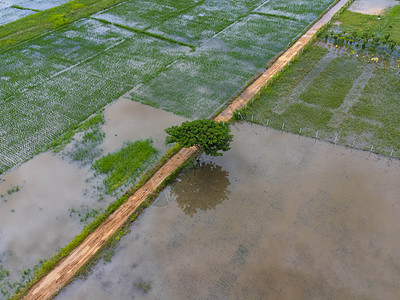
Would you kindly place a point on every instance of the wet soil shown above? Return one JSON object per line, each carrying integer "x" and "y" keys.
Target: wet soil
{"x": 372, "y": 7}
{"x": 43, "y": 215}
{"x": 277, "y": 217}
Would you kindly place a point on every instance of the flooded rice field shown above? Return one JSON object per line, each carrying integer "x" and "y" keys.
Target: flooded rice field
{"x": 277, "y": 217}
{"x": 372, "y": 7}
{"x": 45, "y": 202}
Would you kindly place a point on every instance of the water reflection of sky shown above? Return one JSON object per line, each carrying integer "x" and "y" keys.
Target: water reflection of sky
{"x": 372, "y": 7}
{"x": 302, "y": 219}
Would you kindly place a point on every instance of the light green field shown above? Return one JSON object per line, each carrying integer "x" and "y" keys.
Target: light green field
{"x": 345, "y": 98}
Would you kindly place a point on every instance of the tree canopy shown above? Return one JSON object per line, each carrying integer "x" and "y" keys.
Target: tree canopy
{"x": 208, "y": 136}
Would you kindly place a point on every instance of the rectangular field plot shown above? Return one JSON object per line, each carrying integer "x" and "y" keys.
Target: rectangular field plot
{"x": 135, "y": 60}
{"x": 78, "y": 69}
{"x": 27, "y": 128}
{"x": 204, "y": 21}
{"x": 333, "y": 84}
{"x": 342, "y": 97}
{"x": 299, "y": 9}
{"x": 34, "y": 62}
{"x": 10, "y": 14}
{"x": 380, "y": 99}
{"x": 143, "y": 14}
{"x": 39, "y": 4}
{"x": 256, "y": 39}
{"x": 198, "y": 84}
{"x": 75, "y": 94}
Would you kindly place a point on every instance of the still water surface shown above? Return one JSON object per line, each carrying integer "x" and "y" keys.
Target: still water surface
{"x": 372, "y": 7}
{"x": 43, "y": 215}
{"x": 277, "y": 217}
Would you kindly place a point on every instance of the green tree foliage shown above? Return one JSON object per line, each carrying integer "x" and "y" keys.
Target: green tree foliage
{"x": 208, "y": 136}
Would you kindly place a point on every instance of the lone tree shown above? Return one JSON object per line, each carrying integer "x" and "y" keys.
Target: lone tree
{"x": 208, "y": 136}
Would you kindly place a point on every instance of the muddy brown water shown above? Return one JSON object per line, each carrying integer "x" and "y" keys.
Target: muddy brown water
{"x": 277, "y": 217}
{"x": 127, "y": 120}
{"x": 36, "y": 221}
{"x": 372, "y": 7}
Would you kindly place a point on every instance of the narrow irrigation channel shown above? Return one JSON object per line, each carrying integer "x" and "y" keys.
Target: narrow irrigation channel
{"x": 65, "y": 270}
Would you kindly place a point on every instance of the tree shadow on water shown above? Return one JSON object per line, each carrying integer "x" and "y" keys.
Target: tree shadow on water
{"x": 202, "y": 188}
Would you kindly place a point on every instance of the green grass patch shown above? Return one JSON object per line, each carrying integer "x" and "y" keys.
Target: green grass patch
{"x": 283, "y": 85}
{"x": 362, "y": 26}
{"x": 333, "y": 84}
{"x": 393, "y": 24}
{"x": 123, "y": 166}
{"x": 380, "y": 99}
{"x": 373, "y": 117}
{"x": 361, "y": 23}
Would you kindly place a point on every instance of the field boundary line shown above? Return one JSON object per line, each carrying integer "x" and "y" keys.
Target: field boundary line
{"x": 66, "y": 269}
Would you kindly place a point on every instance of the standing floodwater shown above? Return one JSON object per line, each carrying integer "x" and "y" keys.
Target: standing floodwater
{"x": 372, "y": 7}
{"x": 45, "y": 202}
{"x": 277, "y": 217}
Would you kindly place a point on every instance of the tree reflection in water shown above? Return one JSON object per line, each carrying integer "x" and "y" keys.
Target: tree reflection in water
{"x": 202, "y": 188}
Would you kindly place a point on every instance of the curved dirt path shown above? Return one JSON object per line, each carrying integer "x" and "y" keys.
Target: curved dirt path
{"x": 66, "y": 269}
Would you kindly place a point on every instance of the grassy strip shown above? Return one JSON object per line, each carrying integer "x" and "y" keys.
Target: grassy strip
{"x": 24, "y": 8}
{"x": 50, "y": 19}
{"x": 49, "y": 264}
{"x": 122, "y": 166}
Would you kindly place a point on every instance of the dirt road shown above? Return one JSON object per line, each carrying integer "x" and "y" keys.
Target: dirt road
{"x": 66, "y": 269}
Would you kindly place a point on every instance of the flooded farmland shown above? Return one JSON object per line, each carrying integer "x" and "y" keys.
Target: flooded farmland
{"x": 277, "y": 217}
{"x": 52, "y": 191}
{"x": 371, "y": 7}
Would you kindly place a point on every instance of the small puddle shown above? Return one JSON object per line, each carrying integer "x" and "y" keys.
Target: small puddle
{"x": 44, "y": 200}
{"x": 372, "y": 7}
{"x": 278, "y": 217}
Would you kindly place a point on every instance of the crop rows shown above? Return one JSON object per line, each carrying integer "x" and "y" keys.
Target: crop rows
{"x": 350, "y": 100}
{"x": 53, "y": 82}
